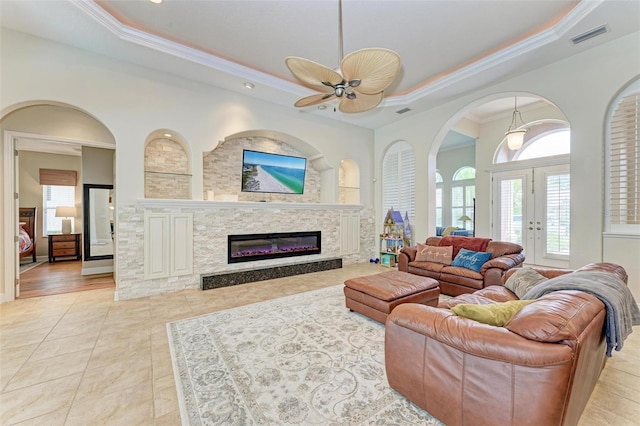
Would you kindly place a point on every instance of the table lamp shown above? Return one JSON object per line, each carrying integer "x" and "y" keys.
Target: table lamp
{"x": 66, "y": 212}
{"x": 464, "y": 218}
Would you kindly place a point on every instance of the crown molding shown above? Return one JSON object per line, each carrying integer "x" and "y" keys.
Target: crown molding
{"x": 132, "y": 35}
{"x": 181, "y": 51}
{"x": 575, "y": 15}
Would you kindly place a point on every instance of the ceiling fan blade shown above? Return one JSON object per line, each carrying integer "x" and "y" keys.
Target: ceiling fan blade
{"x": 314, "y": 99}
{"x": 375, "y": 68}
{"x": 362, "y": 102}
{"x": 312, "y": 73}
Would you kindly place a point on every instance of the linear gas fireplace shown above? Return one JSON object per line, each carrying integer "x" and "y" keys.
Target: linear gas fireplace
{"x": 249, "y": 247}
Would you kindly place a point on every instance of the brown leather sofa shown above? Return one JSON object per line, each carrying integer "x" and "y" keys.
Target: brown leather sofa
{"x": 455, "y": 280}
{"x": 465, "y": 372}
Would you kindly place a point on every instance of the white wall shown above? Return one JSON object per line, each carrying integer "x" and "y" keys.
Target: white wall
{"x": 582, "y": 86}
{"x": 132, "y": 102}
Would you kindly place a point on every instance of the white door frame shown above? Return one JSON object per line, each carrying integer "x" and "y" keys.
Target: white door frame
{"x": 10, "y": 227}
{"x": 525, "y": 168}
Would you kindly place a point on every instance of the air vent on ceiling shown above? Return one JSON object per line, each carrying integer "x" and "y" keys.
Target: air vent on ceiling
{"x": 403, "y": 110}
{"x": 594, "y": 32}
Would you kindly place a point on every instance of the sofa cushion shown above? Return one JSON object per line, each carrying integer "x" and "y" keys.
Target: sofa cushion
{"x": 521, "y": 281}
{"x": 497, "y": 314}
{"x": 471, "y": 259}
{"x": 469, "y": 243}
{"x": 465, "y": 298}
{"x": 561, "y": 315}
{"x": 428, "y": 266}
{"x": 427, "y": 253}
{"x": 462, "y": 272}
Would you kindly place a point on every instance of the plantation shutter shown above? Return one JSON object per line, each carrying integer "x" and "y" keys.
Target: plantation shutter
{"x": 408, "y": 185}
{"x": 390, "y": 181}
{"x": 624, "y": 162}
{"x": 398, "y": 179}
{"x": 511, "y": 210}
{"x": 558, "y": 213}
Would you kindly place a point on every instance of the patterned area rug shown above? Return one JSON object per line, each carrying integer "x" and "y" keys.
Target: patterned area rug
{"x": 302, "y": 359}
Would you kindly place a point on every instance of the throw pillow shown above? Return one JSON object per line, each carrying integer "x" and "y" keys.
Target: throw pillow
{"x": 437, "y": 254}
{"x": 521, "y": 281}
{"x": 497, "y": 314}
{"x": 471, "y": 259}
{"x": 448, "y": 230}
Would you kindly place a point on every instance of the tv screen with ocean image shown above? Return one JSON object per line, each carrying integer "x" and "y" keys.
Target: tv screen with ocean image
{"x": 276, "y": 173}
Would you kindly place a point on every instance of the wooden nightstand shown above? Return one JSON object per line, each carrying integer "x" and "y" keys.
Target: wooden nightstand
{"x": 64, "y": 245}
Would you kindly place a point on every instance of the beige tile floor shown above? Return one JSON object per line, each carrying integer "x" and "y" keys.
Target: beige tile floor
{"x": 83, "y": 359}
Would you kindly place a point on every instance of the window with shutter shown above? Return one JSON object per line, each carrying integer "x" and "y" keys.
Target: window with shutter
{"x": 623, "y": 163}
{"x": 439, "y": 183}
{"x": 398, "y": 179}
{"x": 54, "y": 196}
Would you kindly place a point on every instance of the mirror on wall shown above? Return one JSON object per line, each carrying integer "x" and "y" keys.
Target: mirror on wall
{"x": 98, "y": 221}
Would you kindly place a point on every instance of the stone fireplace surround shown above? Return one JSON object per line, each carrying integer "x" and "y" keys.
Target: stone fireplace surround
{"x": 214, "y": 220}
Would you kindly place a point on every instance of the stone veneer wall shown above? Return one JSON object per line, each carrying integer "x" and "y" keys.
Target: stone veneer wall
{"x": 211, "y": 225}
{"x": 222, "y": 171}
{"x": 166, "y": 170}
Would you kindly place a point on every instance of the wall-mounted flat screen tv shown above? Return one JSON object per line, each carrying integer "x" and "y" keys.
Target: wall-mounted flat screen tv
{"x": 275, "y": 173}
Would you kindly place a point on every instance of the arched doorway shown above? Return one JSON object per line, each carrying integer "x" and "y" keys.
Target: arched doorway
{"x": 39, "y": 126}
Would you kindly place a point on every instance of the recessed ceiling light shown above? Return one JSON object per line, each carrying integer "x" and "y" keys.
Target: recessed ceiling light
{"x": 322, "y": 107}
{"x": 156, "y": 1}
{"x": 249, "y": 85}
{"x": 167, "y": 135}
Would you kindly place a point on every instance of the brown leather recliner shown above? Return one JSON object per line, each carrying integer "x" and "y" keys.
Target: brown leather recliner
{"x": 540, "y": 368}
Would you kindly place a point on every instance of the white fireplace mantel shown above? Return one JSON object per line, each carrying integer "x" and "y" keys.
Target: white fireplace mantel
{"x": 200, "y": 204}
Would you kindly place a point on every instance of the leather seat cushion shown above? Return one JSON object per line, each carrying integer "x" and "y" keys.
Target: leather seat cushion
{"x": 391, "y": 285}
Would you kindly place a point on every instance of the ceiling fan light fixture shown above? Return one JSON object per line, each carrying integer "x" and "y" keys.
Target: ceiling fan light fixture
{"x": 515, "y": 133}
{"x": 358, "y": 83}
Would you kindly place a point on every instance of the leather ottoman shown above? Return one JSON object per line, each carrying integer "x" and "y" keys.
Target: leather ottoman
{"x": 375, "y": 296}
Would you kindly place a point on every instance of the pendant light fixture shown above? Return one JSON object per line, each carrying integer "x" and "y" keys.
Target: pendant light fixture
{"x": 515, "y": 133}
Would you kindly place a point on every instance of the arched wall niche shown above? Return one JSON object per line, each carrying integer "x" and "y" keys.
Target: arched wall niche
{"x": 222, "y": 167}
{"x": 349, "y": 182}
{"x": 167, "y": 166}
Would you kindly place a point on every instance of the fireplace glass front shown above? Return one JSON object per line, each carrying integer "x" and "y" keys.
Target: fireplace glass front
{"x": 249, "y": 247}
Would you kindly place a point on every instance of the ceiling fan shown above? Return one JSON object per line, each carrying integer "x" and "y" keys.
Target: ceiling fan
{"x": 363, "y": 76}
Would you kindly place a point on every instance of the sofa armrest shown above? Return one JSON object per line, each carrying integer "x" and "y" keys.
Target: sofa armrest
{"x": 410, "y": 252}
{"x": 505, "y": 262}
{"x": 406, "y": 255}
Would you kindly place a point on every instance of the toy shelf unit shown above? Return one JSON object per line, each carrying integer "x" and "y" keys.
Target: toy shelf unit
{"x": 396, "y": 233}
{"x": 389, "y": 249}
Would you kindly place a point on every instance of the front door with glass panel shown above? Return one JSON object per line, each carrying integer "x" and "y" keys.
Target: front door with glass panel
{"x": 532, "y": 208}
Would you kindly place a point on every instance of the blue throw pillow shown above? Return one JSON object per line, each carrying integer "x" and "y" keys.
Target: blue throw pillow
{"x": 471, "y": 259}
